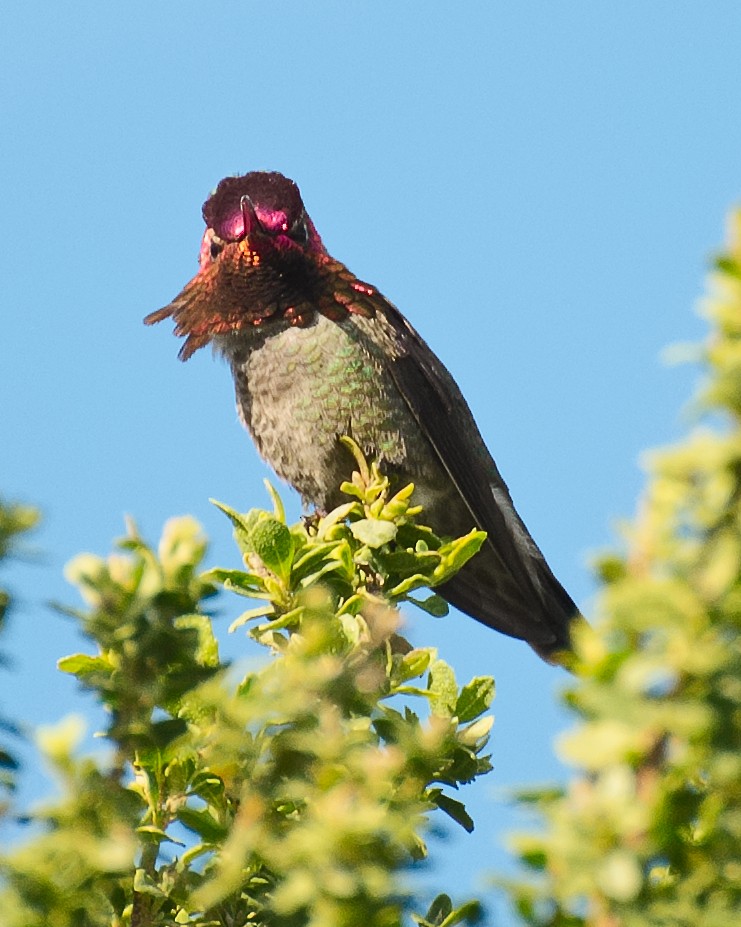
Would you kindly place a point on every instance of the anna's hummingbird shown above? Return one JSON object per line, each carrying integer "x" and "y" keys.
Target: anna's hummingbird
{"x": 317, "y": 354}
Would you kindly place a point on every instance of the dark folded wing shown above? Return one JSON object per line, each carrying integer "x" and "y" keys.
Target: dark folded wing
{"x": 532, "y": 604}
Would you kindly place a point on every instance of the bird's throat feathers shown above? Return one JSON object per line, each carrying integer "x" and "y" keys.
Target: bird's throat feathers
{"x": 245, "y": 284}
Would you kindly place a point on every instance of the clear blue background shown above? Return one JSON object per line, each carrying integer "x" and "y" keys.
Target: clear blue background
{"x": 537, "y": 185}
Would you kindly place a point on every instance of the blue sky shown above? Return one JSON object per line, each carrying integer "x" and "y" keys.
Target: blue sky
{"x": 537, "y": 186}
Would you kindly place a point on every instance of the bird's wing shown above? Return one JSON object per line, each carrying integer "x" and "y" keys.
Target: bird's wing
{"x": 443, "y": 415}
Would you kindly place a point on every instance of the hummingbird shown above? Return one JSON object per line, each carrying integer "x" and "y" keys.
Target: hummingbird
{"x": 317, "y": 353}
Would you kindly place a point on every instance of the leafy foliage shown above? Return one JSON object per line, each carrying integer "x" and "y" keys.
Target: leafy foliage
{"x": 15, "y": 521}
{"x": 296, "y": 794}
{"x": 649, "y": 831}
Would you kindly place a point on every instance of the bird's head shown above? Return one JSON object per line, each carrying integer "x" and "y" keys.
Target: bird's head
{"x": 261, "y": 259}
{"x": 257, "y": 261}
{"x": 263, "y": 208}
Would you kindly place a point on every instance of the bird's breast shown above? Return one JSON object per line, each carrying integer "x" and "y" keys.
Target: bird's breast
{"x": 299, "y": 388}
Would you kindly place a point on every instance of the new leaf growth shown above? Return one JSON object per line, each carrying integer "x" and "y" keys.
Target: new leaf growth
{"x": 297, "y": 794}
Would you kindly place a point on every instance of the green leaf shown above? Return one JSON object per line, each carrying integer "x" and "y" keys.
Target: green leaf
{"x": 145, "y": 885}
{"x": 729, "y": 266}
{"x": 279, "y": 513}
{"x": 286, "y": 620}
{"x": 417, "y": 581}
{"x": 274, "y": 545}
{"x": 475, "y": 698}
{"x": 476, "y": 734}
{"x": 203, "y": 823}
{"x": 243, "y": 524}
{"x": 359, "y": 456}
{"x": 454, "y": 809}
{"x": 456, "y": 554}
{"x": 260, "y": 612}
{"x": 207, "y": 653}
{"x": 443, "y": 689}
{"x": 193, "y": 853}
{"x": 207, "y": 786}
{"x": 313, "y": 558}
{"x": 80, "y": 664}
{"x": 434, "y": 605}
{"x": 157, "y": 835}
{"x": 373, "y": 532}
{"x": 409, "y": 561}
{"x": 247, "y": 584}
{"x": 344, "y": 556}
{"x": 335, "y": 517}
{"x": 441, "y": 913}
{"x": 414, "y": 664}
{"x": 164, "y": 732}
{"x": 313, "y": 578}
{"x": 439, "y": 909}
{"x": 469, "y": 913}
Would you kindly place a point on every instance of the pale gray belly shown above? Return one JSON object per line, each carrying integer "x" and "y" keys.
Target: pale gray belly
{"x": 299, "y": 389}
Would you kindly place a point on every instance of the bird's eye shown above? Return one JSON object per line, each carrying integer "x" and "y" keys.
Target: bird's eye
{"x": 299, "y": 231}
{"x": 216, "y": 247}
